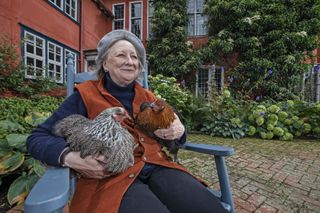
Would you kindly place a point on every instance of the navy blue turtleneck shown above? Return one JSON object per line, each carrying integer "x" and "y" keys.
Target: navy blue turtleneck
{"x": 124, "y": 94}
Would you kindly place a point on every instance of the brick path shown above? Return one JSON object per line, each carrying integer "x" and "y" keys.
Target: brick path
{"x": 266, "y": 176}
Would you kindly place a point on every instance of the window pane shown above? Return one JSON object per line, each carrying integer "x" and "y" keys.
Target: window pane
{"x": 30, "y": 71}
{"x": 91, "y": 65}
{"x": 201, "y": 25}
{"x": 68, "y": 9}
{"x": 73, "y": 13}
{"x": 51, "y": 56}
{"x": 58, "y": 3}
{"x": 39, "y": 43}
{"x": 29, "y": 37}
{"x": 199, "y": 6}
{"x": 39, "y": 64}
{"x": 30, "y": 61}
{"x": 29, "y": 48}
{"x": 118, "y": 25}
{"x": 191, "y": 25}
{"x": 136, "y": 27}
{"x": 119, "y": 11}
{"x": 39, "y": 51}
{"x": 39, "y": 72}
{"x": 58, "y": 69}
{"x": 51, "y": 47}
{"x": 151, "y": 8}
{"x": 136, "y": 10}
{"x": 191, "y": 6}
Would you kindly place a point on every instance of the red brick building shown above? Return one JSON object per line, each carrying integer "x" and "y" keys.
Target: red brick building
{"x": 50, "y": 29}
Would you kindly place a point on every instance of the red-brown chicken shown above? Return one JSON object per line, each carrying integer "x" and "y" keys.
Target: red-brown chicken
{"x": 157, "y": 115}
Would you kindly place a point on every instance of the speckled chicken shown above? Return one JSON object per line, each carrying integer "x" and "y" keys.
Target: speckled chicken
{"x": 157, "y": 115}
{"x": 103, "y": 135}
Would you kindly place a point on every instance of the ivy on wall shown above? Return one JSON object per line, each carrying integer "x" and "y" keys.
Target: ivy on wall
{"x": 169, "y": 51}
{"x": 270, "y": 39}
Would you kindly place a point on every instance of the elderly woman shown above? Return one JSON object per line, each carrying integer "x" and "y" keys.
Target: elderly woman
{"x": 153, "y": 183}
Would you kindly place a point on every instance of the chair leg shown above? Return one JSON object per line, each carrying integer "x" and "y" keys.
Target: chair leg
{"x": 226, "y": 193}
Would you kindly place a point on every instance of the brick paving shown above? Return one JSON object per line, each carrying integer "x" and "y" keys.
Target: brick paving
{"x": 266, "y": 176}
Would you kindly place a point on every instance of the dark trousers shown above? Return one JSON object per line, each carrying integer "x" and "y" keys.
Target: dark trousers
{"x": 166, "y": 190}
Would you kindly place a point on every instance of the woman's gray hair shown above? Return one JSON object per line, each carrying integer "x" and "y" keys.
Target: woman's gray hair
{"x": 110, "y": 39}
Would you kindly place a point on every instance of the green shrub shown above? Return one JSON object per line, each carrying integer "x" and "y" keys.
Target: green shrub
{"x": 14, "y": 158}
{"x": 168, "y": 89}
{"x": 18, "y": 108}
{"x": 285, "y": 120}
{"x": 226, "y": 116}
{"x": 18, "y": 117}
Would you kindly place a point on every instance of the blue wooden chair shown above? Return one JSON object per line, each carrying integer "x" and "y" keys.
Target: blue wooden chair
{"x": 53, "y": 191}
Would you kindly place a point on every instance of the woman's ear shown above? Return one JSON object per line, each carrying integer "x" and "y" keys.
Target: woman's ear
{"x": 105, "y": 65}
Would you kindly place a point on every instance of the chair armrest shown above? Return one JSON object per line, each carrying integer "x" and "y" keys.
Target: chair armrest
{"x": 209, "y": 149}
{"x": 219, "y": 153}
{"x": 50, "y": 193}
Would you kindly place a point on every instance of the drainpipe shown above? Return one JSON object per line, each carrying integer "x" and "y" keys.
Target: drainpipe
{"x": 80, "y": 60}
{"x": 317, "y": 80}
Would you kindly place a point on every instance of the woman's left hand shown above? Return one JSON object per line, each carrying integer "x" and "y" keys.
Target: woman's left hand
{"x": 175, "y": 131}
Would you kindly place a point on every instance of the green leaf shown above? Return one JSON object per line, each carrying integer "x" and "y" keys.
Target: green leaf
{"x": 10, "y": 126}
{"x": 4, "y": 151}
{"x": 4, "y": 143}
{"x": 20, "y": 188}
{"x": 17, "y": 140}
{"x": 39, "y": 169}
{"x": 10, "y": 162}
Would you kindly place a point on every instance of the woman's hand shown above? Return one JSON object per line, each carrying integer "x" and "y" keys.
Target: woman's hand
{"x": 175, "y": 131}
{"x": 88, "y": 167}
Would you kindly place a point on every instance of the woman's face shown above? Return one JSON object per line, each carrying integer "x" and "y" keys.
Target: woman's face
{"x": 122, "y": 63}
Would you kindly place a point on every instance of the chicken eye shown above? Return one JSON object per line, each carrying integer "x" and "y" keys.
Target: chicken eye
{"x": 144, "y": 105}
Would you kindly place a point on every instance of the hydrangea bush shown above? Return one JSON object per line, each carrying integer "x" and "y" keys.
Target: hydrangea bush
{"x": 284, "y": 120}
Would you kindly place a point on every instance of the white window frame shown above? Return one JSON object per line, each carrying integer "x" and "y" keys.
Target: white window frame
{"x": 66, "y": 52}
{"x": 34, "y": 56}
{"x": 55, "y": 63}
{"x": 195, "y": 13}
{"x": 69, "y": 13}
{"x": 141, "y": 18}
{"x": 124, "y": 15}
{"x": 212, "y": 69}
{"x": 55, "y": 3}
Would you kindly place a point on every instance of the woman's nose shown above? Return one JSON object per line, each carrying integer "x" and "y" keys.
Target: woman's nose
{"x": 129, "y": 60}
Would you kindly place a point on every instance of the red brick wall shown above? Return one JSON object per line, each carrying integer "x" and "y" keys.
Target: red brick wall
{"x": 44, "y": 18}
{"x": 41, "y": 17}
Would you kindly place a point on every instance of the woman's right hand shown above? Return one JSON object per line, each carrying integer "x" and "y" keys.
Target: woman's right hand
{"x": 88, "y": 167}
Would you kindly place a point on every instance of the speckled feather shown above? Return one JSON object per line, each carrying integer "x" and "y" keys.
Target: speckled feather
{"x": 100, "y": 136}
